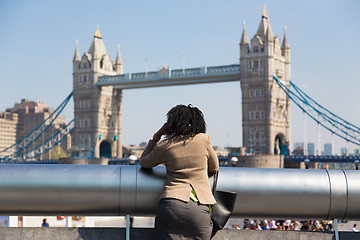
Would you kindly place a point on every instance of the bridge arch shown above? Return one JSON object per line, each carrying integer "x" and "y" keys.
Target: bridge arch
{"x": 105, "y": 149}
{"x": 281, "y": 146}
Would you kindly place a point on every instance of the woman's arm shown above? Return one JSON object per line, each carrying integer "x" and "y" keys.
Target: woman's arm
{"x": 151, "y": 156}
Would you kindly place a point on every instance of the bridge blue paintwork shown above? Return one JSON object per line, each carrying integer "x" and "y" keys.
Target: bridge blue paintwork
{"x": 314, "y": 158}
{"x": 222, "y": 160}
{"x": 321, "y": 115}
{"x": 168, "y": 77}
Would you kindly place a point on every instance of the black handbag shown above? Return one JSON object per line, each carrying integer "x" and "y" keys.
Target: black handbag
{"x": 222, "y": 209}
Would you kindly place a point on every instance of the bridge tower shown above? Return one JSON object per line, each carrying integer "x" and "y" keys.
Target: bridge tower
{"x": 97, "y": 110}
{"x": 265, "y": 107}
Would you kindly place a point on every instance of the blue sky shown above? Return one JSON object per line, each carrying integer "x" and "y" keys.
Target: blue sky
{"x": 38, "y": 43}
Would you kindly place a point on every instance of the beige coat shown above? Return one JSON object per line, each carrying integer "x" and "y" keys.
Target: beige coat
{"x": 188, "y": 164}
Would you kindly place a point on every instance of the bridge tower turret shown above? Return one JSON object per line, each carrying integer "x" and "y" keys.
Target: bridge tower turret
{"x": 265, "y": 107}
{"x": 97, "y": 110}
{"x": 118, "y": 62}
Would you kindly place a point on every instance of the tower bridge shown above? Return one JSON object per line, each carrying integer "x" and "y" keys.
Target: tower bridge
{"x": 98, "y": 83}
{"x": 263, "y": 74}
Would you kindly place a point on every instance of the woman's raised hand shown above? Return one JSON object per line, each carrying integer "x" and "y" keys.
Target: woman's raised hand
{"x": 160, "y": 132}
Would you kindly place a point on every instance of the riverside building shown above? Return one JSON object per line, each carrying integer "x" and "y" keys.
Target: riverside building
{"x": 31, "y": 114}
{"x": 8, "y": 131}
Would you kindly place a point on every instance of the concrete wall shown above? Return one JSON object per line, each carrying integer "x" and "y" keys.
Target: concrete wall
{"x": 145, "y": 233}
{"x": 84, "y": 161}
{"x": 261, "y": 161}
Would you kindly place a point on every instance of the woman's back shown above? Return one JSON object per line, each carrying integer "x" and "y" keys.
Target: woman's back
{"x": 188, "y": 162}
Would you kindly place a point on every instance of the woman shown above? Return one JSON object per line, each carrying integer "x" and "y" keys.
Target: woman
{"x": 184, "y": 207}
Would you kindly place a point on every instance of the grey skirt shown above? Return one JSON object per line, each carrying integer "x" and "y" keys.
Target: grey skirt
{"x": 176, "y": 219}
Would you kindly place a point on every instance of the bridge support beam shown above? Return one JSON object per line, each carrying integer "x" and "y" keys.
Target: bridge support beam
{"x": 118, "y": 190}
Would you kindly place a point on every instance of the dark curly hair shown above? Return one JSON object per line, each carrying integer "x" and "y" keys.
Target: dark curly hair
{"x": 185, "y": 121}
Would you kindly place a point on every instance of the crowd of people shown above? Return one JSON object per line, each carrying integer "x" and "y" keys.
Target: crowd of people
{"x": 289, "y": 225}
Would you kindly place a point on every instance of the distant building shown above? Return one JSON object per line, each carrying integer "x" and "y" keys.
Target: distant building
{"x": 222, "y": 151}
{"x": 298, "y": 151}
{"x": 344, "y": 151}
{"x": 298, "y": 144}
{"x": 143, "y": 144}
{"x": 328, "y": 149}
{"x": 8, "y": 132}
{"x": 30, "y": 115}
{"x": 133, "y": 150}
{"x": 357, "y": 151}
{"x": 311, "y": 148}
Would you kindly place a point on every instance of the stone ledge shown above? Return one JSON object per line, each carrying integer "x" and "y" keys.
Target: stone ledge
{"x": 146, "y": 233}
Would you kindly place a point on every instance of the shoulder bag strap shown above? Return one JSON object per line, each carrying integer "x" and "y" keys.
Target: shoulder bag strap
{"x": 215, "y": 181}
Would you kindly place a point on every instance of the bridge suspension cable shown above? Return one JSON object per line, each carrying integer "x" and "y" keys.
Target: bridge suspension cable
{"x": 321, "y": 115}
{"x": 46, "y": 145}
{"x": 52, "y": 142}
{"x": 21, "y": 145}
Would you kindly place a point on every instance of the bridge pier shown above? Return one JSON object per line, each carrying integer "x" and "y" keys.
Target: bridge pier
{"x": 261, "y": 161}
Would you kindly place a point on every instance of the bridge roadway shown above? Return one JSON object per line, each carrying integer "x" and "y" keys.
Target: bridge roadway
{"x": 167, "y": 77}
